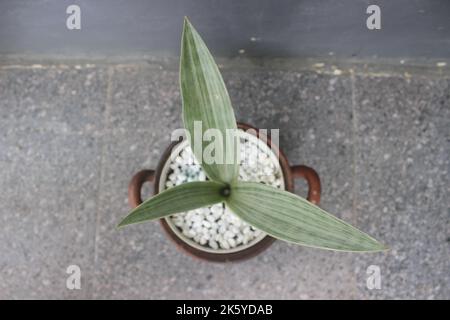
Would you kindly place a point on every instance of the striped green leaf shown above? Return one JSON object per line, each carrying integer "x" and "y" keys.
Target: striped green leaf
{"x": 289, "y": 217}
{"x": 184, "y": 197}
{"x": 206, "y": 102}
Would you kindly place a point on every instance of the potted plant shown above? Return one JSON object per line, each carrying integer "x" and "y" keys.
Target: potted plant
{"x": 224, "y": 192}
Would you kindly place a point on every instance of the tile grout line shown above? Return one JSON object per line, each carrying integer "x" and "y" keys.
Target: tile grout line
{"x": 355, "y": 146}
{"x": 331, "y": 68}
{"x": 354, "y": 179}
{"x": 105, "y": 129}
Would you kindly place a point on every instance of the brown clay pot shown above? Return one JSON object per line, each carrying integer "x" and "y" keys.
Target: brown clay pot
{"x": 289, "y": 173}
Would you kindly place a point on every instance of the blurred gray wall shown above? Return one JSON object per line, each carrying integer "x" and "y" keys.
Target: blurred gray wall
{"x": 281, "y": 28}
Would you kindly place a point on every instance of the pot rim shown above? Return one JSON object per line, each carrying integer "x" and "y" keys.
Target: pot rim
{"x": 245, "y": 253}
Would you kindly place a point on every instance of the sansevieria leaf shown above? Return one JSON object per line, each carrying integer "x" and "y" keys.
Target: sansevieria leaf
{"x": 289, "y": 217}
{"x": 207, "y": 108}
{"x": 184, "y": 197}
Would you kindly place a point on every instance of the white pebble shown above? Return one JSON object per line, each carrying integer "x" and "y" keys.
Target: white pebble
{"x": 169, "y": 184}
{"x": 196, "y": 224}
{"x": 224, "y": 245}
{"x": 228, "y": 234}
{"x": 189, "y": 233}
{"x": 217, "y": 210}
{"x": 179, "y": 223}
{"x": 206, "y": 224}
{"x": 222, "y": 229}
{"x": 203, "y": 211}
{"x": 213, "y": 244}
{"x": 236, "y": 222}
{"x": 214, "y": 226}
{"x": 234, "y": 230}
{"x": 179, "y": 160}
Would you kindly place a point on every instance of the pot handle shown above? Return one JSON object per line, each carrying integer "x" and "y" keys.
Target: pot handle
{"x": 313, "y": 180}
{"x": 135, "y": 186}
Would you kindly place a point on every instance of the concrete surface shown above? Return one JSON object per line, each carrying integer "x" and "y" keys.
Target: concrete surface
{"x": 72, "y": 135}
{"x": 418, "y": 29}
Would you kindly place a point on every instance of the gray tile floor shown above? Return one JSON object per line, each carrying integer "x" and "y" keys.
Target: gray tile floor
{"x": 71, "y": 137}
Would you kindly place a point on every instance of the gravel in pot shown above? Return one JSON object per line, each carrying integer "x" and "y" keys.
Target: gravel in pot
{"x": 215, "y": 228}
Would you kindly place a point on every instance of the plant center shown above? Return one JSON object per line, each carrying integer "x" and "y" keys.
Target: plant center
{"x": 226, "y": 191}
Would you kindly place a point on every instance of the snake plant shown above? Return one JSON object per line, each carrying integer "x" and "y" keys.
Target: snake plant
{"x": 279, "y": 213}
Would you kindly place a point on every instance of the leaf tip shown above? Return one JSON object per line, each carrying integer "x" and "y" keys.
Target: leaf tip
{"x": 187, "y": 30}
{"x": 379, "y": 247}
{"x": 121, "y": 224}
{"x": 186, "y": 23}
{"x": 129, "y": 219}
